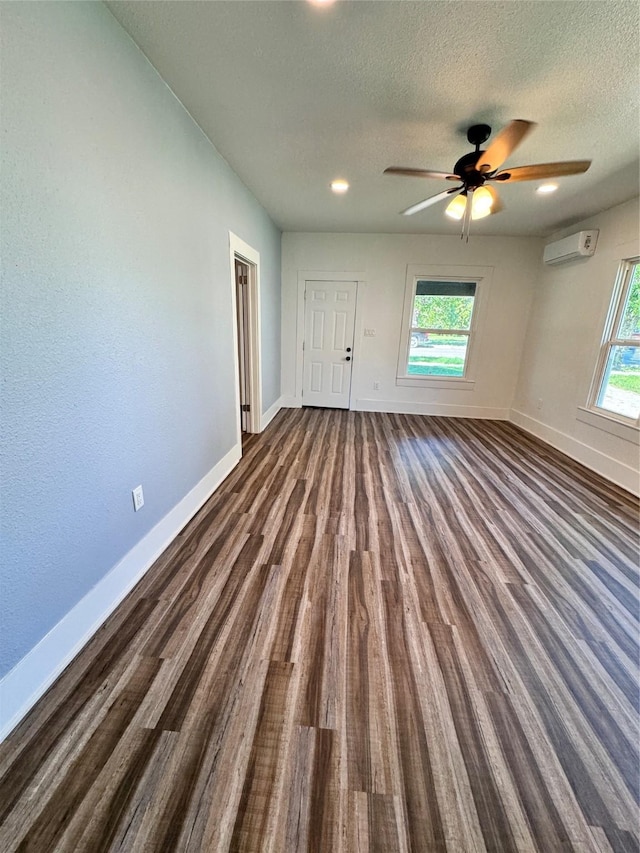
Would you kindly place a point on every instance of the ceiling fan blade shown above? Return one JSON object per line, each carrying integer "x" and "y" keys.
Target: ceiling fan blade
{"x": 505, "y": 142}
{"x": 434, "y": 199}
{"x": 542, "y": 170}
{"x": 497, "y": 205}
{"x": 420, "y": 173}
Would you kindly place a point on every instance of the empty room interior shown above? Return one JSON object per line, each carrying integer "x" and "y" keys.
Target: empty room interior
{"x": 320, "y": 361}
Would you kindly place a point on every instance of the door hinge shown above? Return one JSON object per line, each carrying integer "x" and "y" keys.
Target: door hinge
{"x": 245, "y": 407}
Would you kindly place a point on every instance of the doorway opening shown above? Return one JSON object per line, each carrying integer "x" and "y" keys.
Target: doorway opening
{"x": 245, "y": 271}
{"x": 242, "y": 325}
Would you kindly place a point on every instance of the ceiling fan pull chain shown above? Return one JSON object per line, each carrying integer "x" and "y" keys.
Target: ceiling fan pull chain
{"x": 466, "y": 219}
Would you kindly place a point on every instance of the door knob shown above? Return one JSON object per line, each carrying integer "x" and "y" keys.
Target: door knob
{"x": 348, "y": 358}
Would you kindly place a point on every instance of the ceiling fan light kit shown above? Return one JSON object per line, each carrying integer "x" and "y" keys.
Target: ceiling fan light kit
{"x": 473, "y": 199}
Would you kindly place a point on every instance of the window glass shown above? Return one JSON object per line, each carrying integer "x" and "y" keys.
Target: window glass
{"x": 620, "y": 389}
{"x": 630, "y": 323}
{"x": 443, "y": 355}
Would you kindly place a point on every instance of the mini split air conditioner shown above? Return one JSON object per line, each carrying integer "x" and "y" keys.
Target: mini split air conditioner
{"x": 580, "y": 245}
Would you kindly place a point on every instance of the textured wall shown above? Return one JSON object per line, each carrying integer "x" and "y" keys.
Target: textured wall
{"x": 117, "y": 364}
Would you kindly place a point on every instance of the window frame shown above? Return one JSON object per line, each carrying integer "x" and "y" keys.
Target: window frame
{"x": 617, "y": 304}
{"x": 480, "y": 276}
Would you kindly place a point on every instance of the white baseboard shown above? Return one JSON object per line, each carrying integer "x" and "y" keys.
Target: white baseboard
{"x": 21, "y": 688}
{"x": 609, "y": 468}
{"x": 447, "y": 410}
{"x": 270, "y": 414}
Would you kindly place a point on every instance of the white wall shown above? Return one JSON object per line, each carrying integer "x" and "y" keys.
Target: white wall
{"x": 383, "y": 260}
{"x": 562, "y": 344}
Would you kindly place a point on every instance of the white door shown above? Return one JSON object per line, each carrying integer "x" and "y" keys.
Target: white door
{"x": 329, "y": 320}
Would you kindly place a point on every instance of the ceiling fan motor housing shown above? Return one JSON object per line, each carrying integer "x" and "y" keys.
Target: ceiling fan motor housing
{"x": 466, "y": 169}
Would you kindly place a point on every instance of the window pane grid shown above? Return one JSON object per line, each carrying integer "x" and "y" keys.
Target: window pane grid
{"x": 624, "y": 342}
{"x": 441, "y": 331}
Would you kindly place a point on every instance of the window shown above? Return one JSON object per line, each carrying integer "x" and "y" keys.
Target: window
{"x": 438, "y": 337}
{"x": 616, "y": 389}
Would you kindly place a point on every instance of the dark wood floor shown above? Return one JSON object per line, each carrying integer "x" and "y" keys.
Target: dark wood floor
{"x": 382, "y": 633}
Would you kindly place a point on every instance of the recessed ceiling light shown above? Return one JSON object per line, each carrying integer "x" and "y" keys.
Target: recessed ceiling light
{"x": 547, "y": 188}
{"x": 339, "y": 186}
{"x": 322, "y": 2}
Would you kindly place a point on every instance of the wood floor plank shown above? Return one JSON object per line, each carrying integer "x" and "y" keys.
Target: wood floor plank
{"x": 255, "y": 808}
{"x": 383, "y": 632}
{"x": 369, "y": 722}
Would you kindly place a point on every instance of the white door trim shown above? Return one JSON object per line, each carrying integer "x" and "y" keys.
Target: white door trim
{"x": 248, "y": 255}
{"x": 328, "y": 275}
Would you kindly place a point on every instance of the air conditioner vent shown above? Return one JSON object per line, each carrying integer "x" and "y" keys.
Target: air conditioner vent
{"x": 579, "y": 245}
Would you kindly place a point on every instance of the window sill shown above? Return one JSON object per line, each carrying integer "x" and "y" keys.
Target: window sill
{"x": 609, "y": 423}
{"x": 446, "y": 383}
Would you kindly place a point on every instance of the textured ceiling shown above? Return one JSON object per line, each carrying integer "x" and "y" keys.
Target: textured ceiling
{"x": 293, "y": 95}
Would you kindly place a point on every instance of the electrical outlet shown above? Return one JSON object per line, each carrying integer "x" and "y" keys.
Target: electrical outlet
{"x": 369, "y": 333}
{"x": 539, "y": 403}
{"x": 138, "y": 498}
{"x": 376, "y": 386}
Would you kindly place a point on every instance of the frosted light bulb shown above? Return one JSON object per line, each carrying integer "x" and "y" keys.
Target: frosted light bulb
{"x": 481, "y": 203}
{"x": 455, "y": 208}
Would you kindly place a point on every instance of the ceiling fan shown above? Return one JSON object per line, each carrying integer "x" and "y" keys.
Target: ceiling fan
{"x": 475, "y": 197}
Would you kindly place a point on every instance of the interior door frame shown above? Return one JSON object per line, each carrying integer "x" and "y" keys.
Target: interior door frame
{"x": 239, "y": 250}
{"x": 358, "y": 331}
